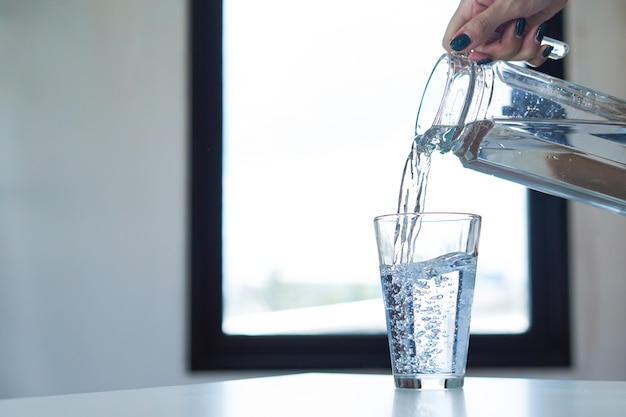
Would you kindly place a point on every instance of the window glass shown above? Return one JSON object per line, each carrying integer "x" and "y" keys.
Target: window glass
{"x": 320, "y": 99}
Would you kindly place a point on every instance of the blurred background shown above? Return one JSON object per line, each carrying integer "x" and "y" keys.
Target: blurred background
{"x": 93, "y": 153}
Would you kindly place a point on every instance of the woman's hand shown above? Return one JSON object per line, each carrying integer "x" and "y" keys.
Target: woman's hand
{"x": 512, "y": 30}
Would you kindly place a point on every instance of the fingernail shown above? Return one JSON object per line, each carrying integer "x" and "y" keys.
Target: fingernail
{"x": 546, "y": 52}
{"x": 485, "y": 61}
{"x": 520, "y": 24}
{"x": 540, "y": 32}
{"x": 460, "y": 42}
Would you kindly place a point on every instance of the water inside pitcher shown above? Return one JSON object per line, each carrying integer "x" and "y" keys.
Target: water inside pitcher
{"x": 524, "y": 126}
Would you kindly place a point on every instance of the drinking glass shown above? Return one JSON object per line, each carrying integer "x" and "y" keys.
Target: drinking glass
{"x": 428, "y": 269}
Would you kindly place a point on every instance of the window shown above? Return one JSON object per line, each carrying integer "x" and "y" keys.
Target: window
{"x": 285, "y": 142}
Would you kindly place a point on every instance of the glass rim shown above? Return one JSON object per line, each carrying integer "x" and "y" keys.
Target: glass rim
{"x": 429, "y": 215}
{"x": 440, "y": 81}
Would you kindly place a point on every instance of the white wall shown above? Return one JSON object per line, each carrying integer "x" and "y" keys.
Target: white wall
{"x": 92, "y": 194}
{"x": 597, "y": 33}
{"x": 92, "y": 198}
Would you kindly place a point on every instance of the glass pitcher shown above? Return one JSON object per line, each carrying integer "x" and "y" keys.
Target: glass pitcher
{"x": 524, "y": 126}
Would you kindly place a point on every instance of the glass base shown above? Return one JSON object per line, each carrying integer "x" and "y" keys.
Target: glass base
{"x": 428, "y": 381}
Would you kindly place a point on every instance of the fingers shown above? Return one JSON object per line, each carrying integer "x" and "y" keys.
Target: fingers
{"x": 543, "y": 56}
{"x": 462, "y": 14}
{"x": 545, "y": 14}
{"x": 473, "y": 25}
{"x": 512, "y": 47}
{"x": 478, "y": 30}
{"x": 508, "y": 45}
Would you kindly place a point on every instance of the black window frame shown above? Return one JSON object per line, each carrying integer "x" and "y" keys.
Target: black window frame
{"x": 546, "y": 343}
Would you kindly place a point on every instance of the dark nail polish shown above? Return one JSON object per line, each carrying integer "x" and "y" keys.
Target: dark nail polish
{"x": 460, "y": 42}
{"x": 520, "y": 24}
{"x": 546, "y": 52}
{"x": 485, "y": 61}
{"x": 540, "y": 32}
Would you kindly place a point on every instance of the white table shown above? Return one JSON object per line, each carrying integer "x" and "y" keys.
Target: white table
{"x": 329, "y": 395}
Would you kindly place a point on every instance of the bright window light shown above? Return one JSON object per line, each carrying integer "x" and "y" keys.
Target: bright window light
{"x": 320, "y": 100}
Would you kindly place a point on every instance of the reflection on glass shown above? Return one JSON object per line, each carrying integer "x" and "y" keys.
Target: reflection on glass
{"x": 318, "y": 124}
